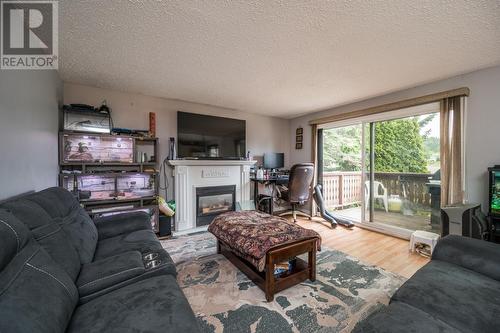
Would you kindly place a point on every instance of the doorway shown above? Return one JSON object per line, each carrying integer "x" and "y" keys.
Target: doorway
{"x": 383, "y": 171}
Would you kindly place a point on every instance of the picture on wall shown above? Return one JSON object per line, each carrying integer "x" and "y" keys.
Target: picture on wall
{"x": 299, "y": 137}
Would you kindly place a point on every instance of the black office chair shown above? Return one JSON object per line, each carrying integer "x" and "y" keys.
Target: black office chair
{"x": 299, "y": 188}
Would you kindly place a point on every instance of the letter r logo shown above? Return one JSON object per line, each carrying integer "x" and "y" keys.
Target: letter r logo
{"x": 27, "y": 28}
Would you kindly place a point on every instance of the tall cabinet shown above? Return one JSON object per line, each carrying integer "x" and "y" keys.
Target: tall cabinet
{"x": 110, "y": 174}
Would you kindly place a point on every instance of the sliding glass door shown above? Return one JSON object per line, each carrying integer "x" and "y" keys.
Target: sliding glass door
{"x": 384, "y": 171}
{"x": 406, "y": 160}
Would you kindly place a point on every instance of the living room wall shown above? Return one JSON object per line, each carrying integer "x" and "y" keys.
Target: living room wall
{"x": 29, "y": 101}
{"x": 482, "y": 121}
{"x": 264, "y": 134}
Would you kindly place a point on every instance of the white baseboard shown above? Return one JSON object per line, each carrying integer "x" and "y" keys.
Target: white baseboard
{"x": 189, "y": 231}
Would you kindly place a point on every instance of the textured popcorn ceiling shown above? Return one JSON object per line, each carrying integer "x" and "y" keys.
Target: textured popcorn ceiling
{"x": 279, "y": 58}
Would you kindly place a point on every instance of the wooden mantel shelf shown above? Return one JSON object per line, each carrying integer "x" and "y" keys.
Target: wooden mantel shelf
{"x": 189, "y": 162}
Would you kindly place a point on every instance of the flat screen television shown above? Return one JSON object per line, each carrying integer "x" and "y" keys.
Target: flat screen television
{"x": 494, "y": 202}
{"x": 209, "y": 137}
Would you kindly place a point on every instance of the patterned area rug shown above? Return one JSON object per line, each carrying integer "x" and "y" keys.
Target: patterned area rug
{"x": 225, "y": 300}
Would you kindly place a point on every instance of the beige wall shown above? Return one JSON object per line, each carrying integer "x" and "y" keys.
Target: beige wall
{"x": 482, "y": 124}
{"x": 264, "y": 134}
{"x": 29, "y": 106}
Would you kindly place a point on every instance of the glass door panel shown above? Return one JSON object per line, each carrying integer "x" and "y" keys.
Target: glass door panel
{"x": 405, "y": 162}
{"x": 341, "y": 170}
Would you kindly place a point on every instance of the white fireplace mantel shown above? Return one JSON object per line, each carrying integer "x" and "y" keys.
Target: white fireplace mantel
{"x": 210, "y": 162}
{"x": 191, "y": 174}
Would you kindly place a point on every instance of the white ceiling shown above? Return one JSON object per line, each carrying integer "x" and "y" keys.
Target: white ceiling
{"x": 280, "y": 58}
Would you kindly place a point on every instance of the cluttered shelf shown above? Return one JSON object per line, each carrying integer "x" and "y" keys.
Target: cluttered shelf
{"x": 109, "y": 170}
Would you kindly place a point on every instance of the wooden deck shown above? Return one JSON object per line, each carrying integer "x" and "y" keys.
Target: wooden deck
{"x": 373, "y": 248}
{"x": 415, "y": 222}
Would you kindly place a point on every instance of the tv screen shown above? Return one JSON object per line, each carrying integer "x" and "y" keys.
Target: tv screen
{"x": 210, "y": 137}
{"x": 274, "y": 160}
{"x": 495, "y": 192}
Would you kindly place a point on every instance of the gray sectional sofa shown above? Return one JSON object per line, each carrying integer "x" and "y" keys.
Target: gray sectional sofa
{"x": 62, "y": 272}
{"x": 458, "y": 291}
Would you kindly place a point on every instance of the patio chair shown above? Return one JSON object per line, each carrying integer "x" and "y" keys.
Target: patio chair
{"x": 380, "y": 192}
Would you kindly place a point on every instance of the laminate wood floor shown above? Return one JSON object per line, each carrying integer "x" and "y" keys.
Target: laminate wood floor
{"x": 371, "y": 247}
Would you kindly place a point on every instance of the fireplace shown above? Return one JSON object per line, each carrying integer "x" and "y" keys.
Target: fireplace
{"x": 212, "y": 201}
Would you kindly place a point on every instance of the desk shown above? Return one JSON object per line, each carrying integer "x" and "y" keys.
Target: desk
{"x": 273, "y": 181}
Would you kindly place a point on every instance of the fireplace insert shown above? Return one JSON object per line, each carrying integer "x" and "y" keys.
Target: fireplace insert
{"x": 212, "y": 201}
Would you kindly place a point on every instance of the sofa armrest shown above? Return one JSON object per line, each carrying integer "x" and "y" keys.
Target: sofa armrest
{"x": 473, "y": 254}
{"x": 114, "y": 225}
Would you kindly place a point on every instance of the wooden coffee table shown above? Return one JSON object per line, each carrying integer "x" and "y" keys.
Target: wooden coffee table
{"x": 266, "y": 280}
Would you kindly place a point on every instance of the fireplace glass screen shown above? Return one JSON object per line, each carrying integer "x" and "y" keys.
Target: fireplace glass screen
{"x": 215, "y": 204}
{"x": 212, "y": 201}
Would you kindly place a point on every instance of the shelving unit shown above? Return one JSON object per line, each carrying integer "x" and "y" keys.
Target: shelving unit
{"x": 109, "y": 174}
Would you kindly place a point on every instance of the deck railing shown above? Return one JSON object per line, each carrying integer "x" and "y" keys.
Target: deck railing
{"x": 342, "y": 189}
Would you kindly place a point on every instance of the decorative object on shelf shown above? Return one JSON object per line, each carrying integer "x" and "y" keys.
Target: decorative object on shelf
{"x": 172, "y": 154}
{"x": 82, "y": 153}
{"x": 299, "y": 137}
{"x": 130, "y": 132}
{"x": 104, "y": 108}
{"x": 152, "y": 124}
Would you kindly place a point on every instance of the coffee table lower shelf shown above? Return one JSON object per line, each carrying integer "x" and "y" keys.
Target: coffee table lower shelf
{"x": 266, "y": 280}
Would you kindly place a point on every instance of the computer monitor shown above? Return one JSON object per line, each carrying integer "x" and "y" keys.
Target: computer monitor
{"x": 274, "y": 160}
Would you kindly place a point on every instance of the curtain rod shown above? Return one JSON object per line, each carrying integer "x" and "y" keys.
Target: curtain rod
{"x": 463, "y": 91}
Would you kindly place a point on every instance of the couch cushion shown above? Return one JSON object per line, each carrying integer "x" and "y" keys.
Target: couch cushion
{"x": 60, "y": 225}
{"x": 48, "y": 234}
{"x": 109, "y": 271}
{"x": 460, "y": 297}
{"x": 153, "y": 305}
{"x": 36, "y": 295}
{"x": 400, "y": 317}
{"x": 474, "y": 254}
{"x": 55, "y": 241}
{"x": 124, "y": 223}
{"x": 13, "y": 237}
{"x": 65, "y": 210}
{"x": 140, "y": 240}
